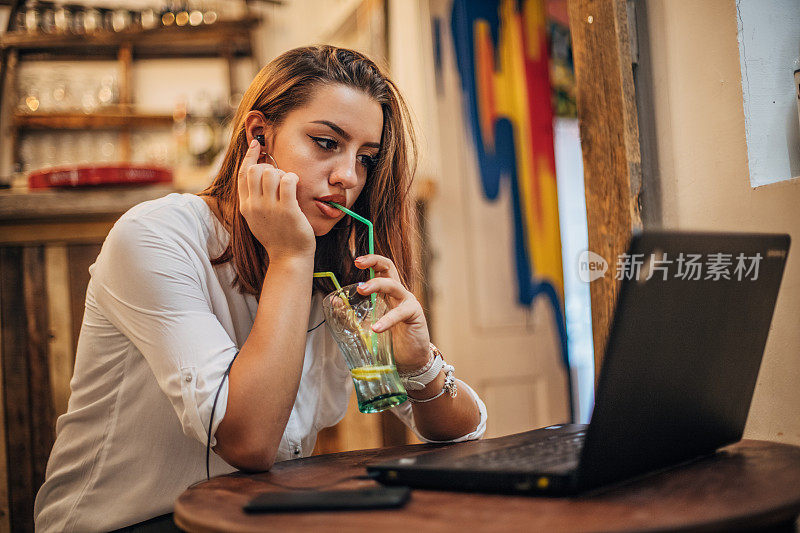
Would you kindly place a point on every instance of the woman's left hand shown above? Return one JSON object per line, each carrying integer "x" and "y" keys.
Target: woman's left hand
{"x": 410, "y": 337}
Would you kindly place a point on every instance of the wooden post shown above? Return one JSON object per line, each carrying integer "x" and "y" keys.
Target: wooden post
{"x": 42, "y": 419}
{"x": 8, "y": 105}
{"x": 16, "y": 389}
{"x": 610, "y": 143}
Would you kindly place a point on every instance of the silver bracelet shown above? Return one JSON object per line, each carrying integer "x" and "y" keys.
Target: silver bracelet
{"x": 418, "y": 379}
{"x": 449, "y": 386}
{"x": 432, "y": 351}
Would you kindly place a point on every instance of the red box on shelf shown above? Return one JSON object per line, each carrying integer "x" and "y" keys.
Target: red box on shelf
{"x": 93, "y": 175}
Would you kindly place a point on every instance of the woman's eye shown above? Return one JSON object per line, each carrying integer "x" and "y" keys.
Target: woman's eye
{"x": 325, "y": 143}
{"x": 369, "y": 162}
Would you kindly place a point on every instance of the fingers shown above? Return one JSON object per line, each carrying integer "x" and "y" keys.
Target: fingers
{"x": 251, "y": 155}
{"x": 254, "y": 182}
{"x": 387, "y": 286}
{"x": 250, "y": 159}
{"x": 383, "y": 266}
{"x": 287, "y": 192}
{"x": 257, "y": 179}
{"x": 270, "y": 181}
{"x": 408, "y": 311}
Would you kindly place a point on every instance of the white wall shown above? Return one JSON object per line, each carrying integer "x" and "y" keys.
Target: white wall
{"x": 702, "y": 161}
{"x": 769, "y": 44}
{"x": 355, "y": 24}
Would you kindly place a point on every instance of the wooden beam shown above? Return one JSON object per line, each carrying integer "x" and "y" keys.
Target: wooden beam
{"x": 16, "y": 389}
{"x": 200, "y": 41}
{"x": 55, "y": 232}
{"x": 60, "y": 353}
{"x": 5, "y": 523}
{"x": 79, "y": 258}
{"x": 8, "y": 103}
{"x": 61, "y": 205}
{"x": 113, "y": 118}
{"x": 42, "y": 419}
{"x": 610, "y": 143}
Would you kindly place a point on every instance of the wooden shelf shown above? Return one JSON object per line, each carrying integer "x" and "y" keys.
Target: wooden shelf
{"x": 107, "y": 119}
{"x": 223, "y": 38}
{"x": 58, "y": 204}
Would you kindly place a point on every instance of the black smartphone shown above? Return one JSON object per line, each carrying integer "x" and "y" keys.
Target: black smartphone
{"x": 328, "y": 500}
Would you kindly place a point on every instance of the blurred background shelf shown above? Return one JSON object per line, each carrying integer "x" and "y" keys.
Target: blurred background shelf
{"x": 55, "y": 203}
{"x": 119, "y": 124}
{"x": 116, "y": 117}
{"x": 228, "y": 38}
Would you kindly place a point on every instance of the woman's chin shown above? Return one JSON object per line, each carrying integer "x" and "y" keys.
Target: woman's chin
{"x": 321, "y": 229}
{"x": 322, "y": 225}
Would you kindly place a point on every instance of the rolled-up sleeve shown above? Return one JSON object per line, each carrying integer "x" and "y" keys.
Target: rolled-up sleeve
{"x": 150, "y": 288}
{"x": 404, "y": 413}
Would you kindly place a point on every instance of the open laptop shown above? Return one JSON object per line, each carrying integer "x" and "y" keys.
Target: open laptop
{"x": 676, "y": 382}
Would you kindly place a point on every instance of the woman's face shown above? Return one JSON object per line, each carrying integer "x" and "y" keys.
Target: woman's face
{"x": 330, "y": 144}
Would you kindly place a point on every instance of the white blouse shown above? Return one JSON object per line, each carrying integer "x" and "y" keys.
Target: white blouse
{"x": 160, "y": 328}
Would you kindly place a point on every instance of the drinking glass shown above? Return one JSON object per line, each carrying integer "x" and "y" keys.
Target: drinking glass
{"x": 349, "y": 317}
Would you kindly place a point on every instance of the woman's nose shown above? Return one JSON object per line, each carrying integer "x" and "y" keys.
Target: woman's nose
{"x": 345, "y": 173}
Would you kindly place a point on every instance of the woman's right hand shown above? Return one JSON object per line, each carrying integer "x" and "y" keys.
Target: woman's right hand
{"x": 268, "y": 202}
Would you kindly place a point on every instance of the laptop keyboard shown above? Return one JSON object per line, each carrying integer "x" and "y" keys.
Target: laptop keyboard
{"x": 552, "y": 451}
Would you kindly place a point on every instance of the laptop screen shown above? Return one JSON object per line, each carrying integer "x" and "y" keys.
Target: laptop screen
{"x": 684, "y": 349}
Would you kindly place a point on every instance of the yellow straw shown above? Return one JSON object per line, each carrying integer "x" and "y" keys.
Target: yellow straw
{"x": 329, "y": 275}
{"x": 367, "y": 340}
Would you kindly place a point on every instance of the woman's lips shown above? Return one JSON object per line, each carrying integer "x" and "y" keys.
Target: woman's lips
{"x": 328, "y": 210}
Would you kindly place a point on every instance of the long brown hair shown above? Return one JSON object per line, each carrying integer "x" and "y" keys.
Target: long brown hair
{"x": 286, "y": 83}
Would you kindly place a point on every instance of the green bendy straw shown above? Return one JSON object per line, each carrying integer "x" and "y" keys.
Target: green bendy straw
{"x": 371, "y": 251}
{"x": 371, "y": 238}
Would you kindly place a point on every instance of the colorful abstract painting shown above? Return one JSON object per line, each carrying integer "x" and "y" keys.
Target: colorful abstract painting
{"x": 502, "y": 58}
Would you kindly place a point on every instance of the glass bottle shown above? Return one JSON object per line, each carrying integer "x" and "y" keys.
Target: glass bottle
{"x": 62, "y": 19}
{"x": 148, "y": 19}
{"x": 78, "y": 26}
{"x": 120, "y": 20}
{"x": 48, "y": 20}
{"x": 200, "y": 130}
{"x": 32, "y": 17}
{"x": 92, "y": 21}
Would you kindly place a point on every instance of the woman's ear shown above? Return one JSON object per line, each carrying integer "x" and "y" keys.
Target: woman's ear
{"x": 256, "y": 127}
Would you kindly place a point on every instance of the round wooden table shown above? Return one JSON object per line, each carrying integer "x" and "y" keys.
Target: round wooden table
{"x": 749, "y": 485}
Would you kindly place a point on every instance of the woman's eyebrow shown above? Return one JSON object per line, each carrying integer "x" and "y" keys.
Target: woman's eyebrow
{"x": 346, "y": 136}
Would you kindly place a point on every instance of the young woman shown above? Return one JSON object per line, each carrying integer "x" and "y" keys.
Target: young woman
{"x": 188, "y": 287}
